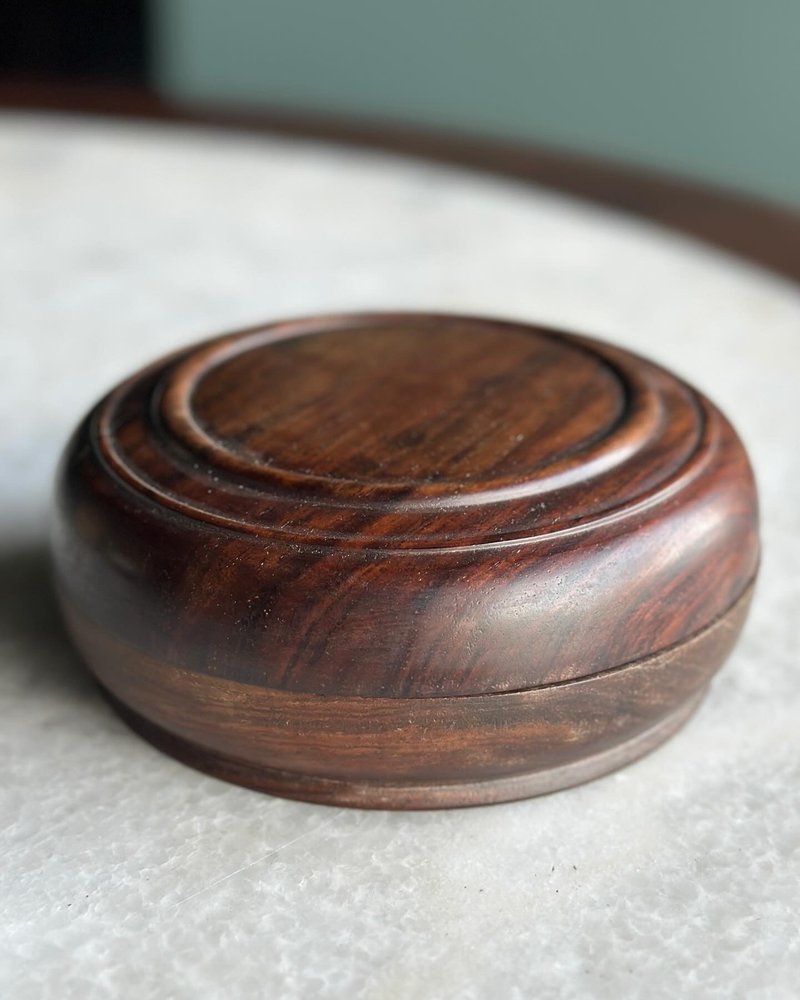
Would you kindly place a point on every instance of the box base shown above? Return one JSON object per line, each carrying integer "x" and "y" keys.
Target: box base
{"x": 415, "y": 753}
{"x": 369, "y": 795}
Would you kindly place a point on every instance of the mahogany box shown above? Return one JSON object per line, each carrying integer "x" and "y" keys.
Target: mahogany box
{"x": 405, "y": 560}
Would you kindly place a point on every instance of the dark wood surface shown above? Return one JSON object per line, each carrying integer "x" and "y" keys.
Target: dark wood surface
{"x": 410, "y": 753}
{"x": 764, "y": 233}
{"x": 405, "y": 559}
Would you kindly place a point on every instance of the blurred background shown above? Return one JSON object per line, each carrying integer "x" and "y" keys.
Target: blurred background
{"x": 707, "y": 89}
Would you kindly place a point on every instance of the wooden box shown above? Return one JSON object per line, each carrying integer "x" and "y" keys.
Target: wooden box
{"x": 405, "y": 560}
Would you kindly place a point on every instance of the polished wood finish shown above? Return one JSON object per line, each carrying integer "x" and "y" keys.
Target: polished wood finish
{"x": 415, "y": 752}
{"x": 405, "y": 560}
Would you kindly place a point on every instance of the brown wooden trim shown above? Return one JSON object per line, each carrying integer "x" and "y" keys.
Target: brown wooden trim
{"x": 363, "y": 795}
{"x": 408, "y": 753}
{"x": 766, "y": 234}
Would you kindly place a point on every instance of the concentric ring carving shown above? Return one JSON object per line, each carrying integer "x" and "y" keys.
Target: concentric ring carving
{"x": 150, "y": 433}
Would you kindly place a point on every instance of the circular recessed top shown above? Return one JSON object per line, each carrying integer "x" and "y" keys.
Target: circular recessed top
{"x": 404, "y": 431}
{"x": 399, "y": 403}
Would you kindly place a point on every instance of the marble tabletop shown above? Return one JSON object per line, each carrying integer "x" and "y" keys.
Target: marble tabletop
{"x": 126, "y": 874}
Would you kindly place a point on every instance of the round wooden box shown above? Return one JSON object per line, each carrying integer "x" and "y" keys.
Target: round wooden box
{"x": 405, "y": 560}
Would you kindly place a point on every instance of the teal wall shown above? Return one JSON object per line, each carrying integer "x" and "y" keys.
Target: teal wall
{"x": 709, "y": 88}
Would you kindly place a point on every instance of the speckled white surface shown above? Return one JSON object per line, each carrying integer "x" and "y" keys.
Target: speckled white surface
{"x": 125, "y": 874}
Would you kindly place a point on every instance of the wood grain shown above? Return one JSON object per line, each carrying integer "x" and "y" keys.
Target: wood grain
{"x": 417, "y": 752}
{"x": 386, "y": 549}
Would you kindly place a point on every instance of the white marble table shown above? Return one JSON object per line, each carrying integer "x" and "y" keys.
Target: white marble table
{"x": 126, "y": 874}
